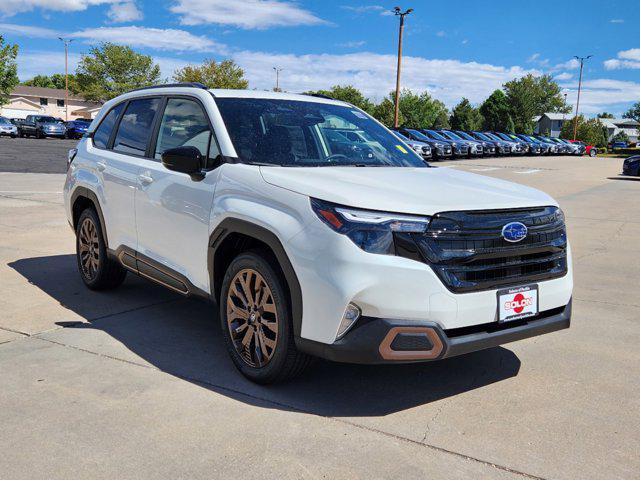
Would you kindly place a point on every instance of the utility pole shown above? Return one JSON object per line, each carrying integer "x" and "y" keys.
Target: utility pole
{"x": 66, "y": 75}
{"x": 575, "y": 123}
{"x": 277, "y": 70}
{"x": 399, "y": 13}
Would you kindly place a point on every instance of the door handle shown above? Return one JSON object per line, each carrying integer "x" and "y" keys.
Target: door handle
{"x": 101, "y": 166}
{"x": 145, "y": 179}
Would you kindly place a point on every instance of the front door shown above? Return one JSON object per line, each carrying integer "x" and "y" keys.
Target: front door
{"x": 172, "y": 209}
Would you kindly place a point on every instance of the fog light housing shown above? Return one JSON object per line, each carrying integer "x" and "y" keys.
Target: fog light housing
{"x": 349, "y": 318}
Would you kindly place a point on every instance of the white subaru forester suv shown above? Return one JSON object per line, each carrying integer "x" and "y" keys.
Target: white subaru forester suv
{"x": 310, "y": 243}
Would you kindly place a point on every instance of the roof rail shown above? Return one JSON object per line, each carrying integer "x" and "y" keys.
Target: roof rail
{"x": 173, "y": 85}
{"x": 319, "y": 95}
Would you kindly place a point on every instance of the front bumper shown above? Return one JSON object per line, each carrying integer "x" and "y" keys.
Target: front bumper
{"x": 373, "y": 340}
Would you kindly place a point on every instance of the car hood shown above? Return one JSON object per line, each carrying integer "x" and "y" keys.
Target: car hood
{"x": 422, "y": 191}
{"x": 50, "y": 124}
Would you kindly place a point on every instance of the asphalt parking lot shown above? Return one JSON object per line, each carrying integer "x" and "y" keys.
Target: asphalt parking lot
{"x": 136, "y": 383}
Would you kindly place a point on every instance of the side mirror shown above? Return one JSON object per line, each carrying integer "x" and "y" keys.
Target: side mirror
{"x": 183, "y": 159}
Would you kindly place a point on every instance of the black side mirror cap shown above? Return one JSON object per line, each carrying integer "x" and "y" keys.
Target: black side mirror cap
{"x": 183, "y": 159}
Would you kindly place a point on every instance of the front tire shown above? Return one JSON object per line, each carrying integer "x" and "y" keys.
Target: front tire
{"x": 256, "y": 320}
{"x": 593, "y": 152}
{"x": 97, "y": 270}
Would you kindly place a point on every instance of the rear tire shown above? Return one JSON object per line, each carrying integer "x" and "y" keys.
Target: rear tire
{"x": 256, "y": 320}
{"x": 97, "y": 270}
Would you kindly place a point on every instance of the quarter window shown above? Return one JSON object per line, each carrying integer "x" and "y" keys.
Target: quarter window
{"x": 44, "y": 102}
{"x": 135, "y": 127}
{"x": 103, "y": 132}
{"x": 184, "y": 124}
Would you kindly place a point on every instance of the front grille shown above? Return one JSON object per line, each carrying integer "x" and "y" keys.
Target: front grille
{"x": 468, "y": 252}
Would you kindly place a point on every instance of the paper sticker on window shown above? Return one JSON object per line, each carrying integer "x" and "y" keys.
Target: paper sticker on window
{"x": 401, "y": 148}
{"x": 359, "y": 114}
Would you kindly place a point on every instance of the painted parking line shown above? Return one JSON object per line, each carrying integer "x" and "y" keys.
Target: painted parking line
{"x": 529, "y": 171}
{"x": 30, "y": 192}
{"x": 485, "y": 169}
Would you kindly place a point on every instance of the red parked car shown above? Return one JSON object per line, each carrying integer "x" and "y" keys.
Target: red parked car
{"x": 590, "y": 149}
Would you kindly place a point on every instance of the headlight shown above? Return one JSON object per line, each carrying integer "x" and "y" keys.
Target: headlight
{"x": 370, "y": 230}
{"x": 417, "y": 148}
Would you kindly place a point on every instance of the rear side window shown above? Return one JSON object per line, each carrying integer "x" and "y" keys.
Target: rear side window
{"x": 103, "y": 132}
{"x": 184, "y": 123}
{"x": 134, "y": 130}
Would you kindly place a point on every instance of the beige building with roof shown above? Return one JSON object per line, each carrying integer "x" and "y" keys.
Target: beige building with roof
{"x": 26, "y": 100}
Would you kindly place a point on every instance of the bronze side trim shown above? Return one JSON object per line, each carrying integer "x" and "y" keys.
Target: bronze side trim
{"x": 389, "y": 354}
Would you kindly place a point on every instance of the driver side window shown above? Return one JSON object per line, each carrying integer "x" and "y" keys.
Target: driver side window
{"x": 184, "y": 124}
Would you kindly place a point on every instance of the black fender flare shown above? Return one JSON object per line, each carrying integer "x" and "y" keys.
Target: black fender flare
{"x": 235, "y": 225}
{"x": 85, "y": 192}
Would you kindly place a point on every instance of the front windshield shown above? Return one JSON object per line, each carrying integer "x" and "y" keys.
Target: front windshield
{"x": 493, "y": 137}
{"x": 294, "y": 133}
{"x": 435, "y": 135}
{"x": 450, "y": 135}
{"x": 4, "y": 121}
{"x": 46, "y": 119}
{"x": 482, "y": 136}
{"x": 419, "y": 135}
{"x": 503, "y": 136}
{"x": 525, "y": 138}
{"x": 465, "y": 135}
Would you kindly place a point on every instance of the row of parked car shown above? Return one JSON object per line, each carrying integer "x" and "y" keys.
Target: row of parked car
{"x": 42, "y": 126}
{"x": 446, "y": 144}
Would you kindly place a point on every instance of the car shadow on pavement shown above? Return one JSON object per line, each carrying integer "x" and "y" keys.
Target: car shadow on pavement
{"x": 625, "y": 177}
{"x": 182, "y": 338}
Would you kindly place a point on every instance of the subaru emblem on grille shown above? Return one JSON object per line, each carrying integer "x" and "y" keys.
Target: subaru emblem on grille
{"x": 514, "y": 232}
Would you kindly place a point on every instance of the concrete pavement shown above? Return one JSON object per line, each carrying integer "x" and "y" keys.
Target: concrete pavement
{"x": 135, "y": 383}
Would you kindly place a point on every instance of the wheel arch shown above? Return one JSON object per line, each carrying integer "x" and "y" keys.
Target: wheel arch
{"x": 81, "y": 198}
{"x": 233, "y": 236}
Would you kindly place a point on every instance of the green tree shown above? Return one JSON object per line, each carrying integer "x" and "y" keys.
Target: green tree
{"x": 349, "y": 94}
{"x": 633, "y": 112}
{"x": 384, "y": 111}
{"x": 591, "y": 131}
{"x": 110, "y": 70}
{"x": 54, "y": 81}
{"x": 464, "y": 116}
{"x": 495, "y": 112}
{"x": 226, "y": 74}
{"x": 605, "y": 115}
{"x": 8, "y": 70}
{"x": 530, "y": 96}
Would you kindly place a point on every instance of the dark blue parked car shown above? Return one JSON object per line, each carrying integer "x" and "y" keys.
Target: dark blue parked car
{"x": 77, "y": 128}
{"x": 631, "y": 166}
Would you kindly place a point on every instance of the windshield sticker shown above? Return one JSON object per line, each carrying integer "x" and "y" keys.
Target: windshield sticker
{"x": 359, "y": 114}
{"x": 401, "y": 148}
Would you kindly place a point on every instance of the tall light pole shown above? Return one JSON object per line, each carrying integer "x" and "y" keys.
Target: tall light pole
{"x": 277, "y": 70}
{"x": 399, "y": 13}
{"x": 575, "y": 123}
{"x": 66, "y": 42}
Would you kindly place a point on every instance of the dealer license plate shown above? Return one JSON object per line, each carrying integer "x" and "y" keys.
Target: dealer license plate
{"x": 517, "y": 303}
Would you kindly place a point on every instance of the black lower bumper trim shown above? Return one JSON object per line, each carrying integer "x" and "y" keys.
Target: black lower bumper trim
{"x": 361, "y": 344}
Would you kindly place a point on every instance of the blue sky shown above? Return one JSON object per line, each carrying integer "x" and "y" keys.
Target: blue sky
{"x": 453, "y": 49}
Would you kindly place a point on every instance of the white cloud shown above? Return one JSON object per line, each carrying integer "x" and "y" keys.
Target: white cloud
{"x": 603, "y": 94}
{"x": 616, "y": 20}
{"x": 374, "y": 74}
{"x": 29, "y": 31}
{"x": 155, "y": 38}
{"x": 359, "y": 9}
{"x": 124, "y": 12}
{"x": 568, "y": 65}
{"x": 626, "y": 59}
{"x": 563, "y": 76}
{"x": 441, "y": 33}
{"x": 533, "y": 57}
{"x": 354, "y": 44}
{"x": 32, "y": 63}
{"x": 12, "y": 7}
{"x": 248, "y": 14}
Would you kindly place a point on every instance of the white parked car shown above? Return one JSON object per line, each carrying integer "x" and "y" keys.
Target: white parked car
{"x": 311, "y": 245}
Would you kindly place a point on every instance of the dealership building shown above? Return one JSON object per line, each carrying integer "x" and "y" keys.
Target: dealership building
{"x": 25, "y": 100}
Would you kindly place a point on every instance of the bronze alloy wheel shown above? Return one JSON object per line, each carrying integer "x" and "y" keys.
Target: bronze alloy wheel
{"x": 252, "y": 318}
{"x": 89, "y": 249}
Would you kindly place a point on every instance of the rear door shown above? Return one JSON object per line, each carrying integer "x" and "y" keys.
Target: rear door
{"x": 118, "y": 146}
{"x": 172, "y": 209}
